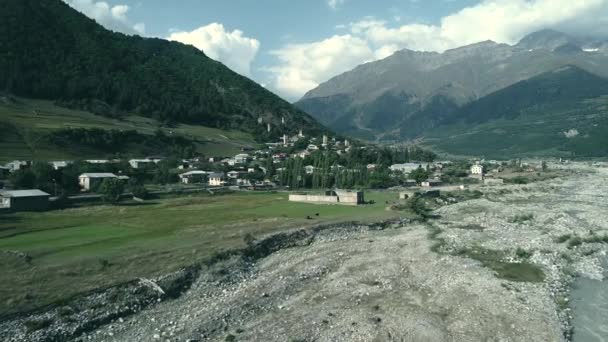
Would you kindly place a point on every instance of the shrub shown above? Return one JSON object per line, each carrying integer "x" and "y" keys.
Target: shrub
{"x": 563, "y": 238}
{"x": 37, "y": 324}
{"x": 518, "y": 180}
{"x": 111, "y": 189}
{"x": 522, "y": 253}
{"x": 575, "y": 242}
{"x": 521, "y": 218}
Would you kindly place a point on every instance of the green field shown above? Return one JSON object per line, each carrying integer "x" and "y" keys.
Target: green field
{"x": 79, "y": 249}
{"x": 27, "y": 121}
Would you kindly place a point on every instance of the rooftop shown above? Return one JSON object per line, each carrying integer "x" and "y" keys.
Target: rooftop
{"x": 195, "y": 172}
{"x": 98, "y": 175}
{"x": 23, "y": 193}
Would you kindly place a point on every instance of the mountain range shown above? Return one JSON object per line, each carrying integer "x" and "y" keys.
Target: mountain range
{"x": 442, "y": 99}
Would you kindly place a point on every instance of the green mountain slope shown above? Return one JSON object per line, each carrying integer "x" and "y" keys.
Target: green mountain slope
{"x": 40, "y": 130}
{"x": 50, "y": 51}
{"x": 562, "y": 112}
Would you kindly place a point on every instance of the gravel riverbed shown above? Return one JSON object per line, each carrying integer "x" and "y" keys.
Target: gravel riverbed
{"x": 396, "y": 283}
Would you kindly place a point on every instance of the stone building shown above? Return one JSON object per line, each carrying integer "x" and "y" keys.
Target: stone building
{"x": 342, "y": 197}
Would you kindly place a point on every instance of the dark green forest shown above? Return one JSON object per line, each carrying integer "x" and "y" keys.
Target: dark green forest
{"x": 50, "y": 51}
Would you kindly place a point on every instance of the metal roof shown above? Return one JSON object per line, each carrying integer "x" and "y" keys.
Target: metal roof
{"x": 23, "y": 193}
{"x": 216, "y": 175}
{"x": 98, "y": 175}
{"x": 195, "y": 172}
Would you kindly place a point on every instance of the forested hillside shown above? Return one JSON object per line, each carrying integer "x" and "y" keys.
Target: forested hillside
{"x": 50, "y": 51}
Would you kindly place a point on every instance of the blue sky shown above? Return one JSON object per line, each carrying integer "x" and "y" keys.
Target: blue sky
{"x": 290, "y": 46}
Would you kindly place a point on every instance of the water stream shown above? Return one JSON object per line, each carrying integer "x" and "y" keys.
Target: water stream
{"x": 590, "y": 310}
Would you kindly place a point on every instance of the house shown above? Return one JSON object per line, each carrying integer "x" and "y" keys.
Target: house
{"x": 99, "y": 161}
{"x": 192, "y": 177}
{"x": 236, "y": 174}
{"x": 312, "y": 147}
{"x": 405, "y": 168}
{"x": 431, "y": 183}
{"x": 17, "y": 165}
{"x": 90, "y": 181}
{"x": 242, "y": 158}
{"x": 304, "y": 154}
{"x": 371, "y": 167}
{"x": 228, "y": 161}
{"x": 477, "y": 169}
{"x": 24, "y": 200}
{"x": 342, "y": 197}
{"x": 60, "y": 164}
{"x": 309, "y": 169}
{"x": 409, "y": 182}
{"x": 279, "y": 156}
{"x": 217, "y": 179}
{"x": 243, "y": 182}
{"x": 140, "y": 163}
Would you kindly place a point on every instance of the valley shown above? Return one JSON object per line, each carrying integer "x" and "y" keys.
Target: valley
{"x": 497, "y": 266}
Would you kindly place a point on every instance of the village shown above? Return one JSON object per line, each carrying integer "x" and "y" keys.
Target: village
{"x": 319, "y": 170}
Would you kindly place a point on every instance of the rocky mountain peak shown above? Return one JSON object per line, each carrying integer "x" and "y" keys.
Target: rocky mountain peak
{"x": 547, "y": 40}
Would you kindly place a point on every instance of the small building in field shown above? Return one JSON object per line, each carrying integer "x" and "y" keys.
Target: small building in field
{"x": 24, "y": 200}
{"x": 193, "y": 177}
{"x": 90, "y": 181}
{"x": 309, "y": 169}
{"x": 217, "y": 179}
{"x": 431, "y": 183}
{"x": 342, "y": 197}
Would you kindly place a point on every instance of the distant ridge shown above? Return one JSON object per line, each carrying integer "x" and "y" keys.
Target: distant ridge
{"x": 409, "y": 95}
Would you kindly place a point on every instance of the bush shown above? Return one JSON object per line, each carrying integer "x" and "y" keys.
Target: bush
{"x": 518, "y": 180}
{"x": 522, "y": 253}
{"x": 522, "y": 218}
{"x": 575, "y": 242}
{"x": 563, "y": 238}
{"x": 37, "y": 324}
{"x": 111, "y": 189}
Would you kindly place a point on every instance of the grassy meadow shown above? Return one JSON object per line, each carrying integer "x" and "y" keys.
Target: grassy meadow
{"x": 79, "y": 249}
{"x": 26, "y": 121}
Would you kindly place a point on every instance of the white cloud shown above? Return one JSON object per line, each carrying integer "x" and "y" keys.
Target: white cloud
{"x": 111, "y": 17}
{"x": 230, "y": 48}
{"x": 302, "y": 66}
{"x": 503, "y": 21}
{"x": 334, "y": 4}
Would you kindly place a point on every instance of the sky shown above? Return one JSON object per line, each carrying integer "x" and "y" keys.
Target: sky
{"x": 291, "y": 46}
